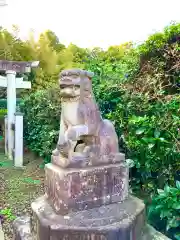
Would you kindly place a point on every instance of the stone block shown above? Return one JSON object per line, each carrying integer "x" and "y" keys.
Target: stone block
{"x": 79, "y": 189}
{"x": 117, "y": 221}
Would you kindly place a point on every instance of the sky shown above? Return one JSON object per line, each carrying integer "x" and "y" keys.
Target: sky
{"x": 90, "y": 23}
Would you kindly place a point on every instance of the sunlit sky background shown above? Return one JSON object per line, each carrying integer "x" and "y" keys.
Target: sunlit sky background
{"x": 90, "y": 23}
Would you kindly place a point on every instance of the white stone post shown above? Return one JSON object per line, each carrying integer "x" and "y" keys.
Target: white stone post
{"x": 11, "y": 106}
{"x": 18, "y": 151}
{"x": 5, "y": 135}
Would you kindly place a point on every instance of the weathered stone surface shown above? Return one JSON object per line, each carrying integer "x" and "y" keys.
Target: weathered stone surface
{"x": 16, "y": 66}
{"x": 148, "y": 233}
{"x": 80, "y": 160}
{"x": 75, "y": 72}
{"x": 83, "y": 131}
{"x": 118, "y": 221}
{"x": 79, "y": 189}
{"x": 21, "y": 228}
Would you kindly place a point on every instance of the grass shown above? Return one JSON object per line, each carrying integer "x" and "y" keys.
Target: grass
{"x": 19, "y": 187}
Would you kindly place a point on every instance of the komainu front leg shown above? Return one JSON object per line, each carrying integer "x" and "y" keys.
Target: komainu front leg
{"x": 60, "y": 156}
{"x": 65, "y": 155}
{"x": 61, "y": 138}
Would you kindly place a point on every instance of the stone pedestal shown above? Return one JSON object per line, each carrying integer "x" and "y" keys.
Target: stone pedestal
{"x": 86, "y": 204}
{"x": 116, "y": 221}
{"x": 79, "y": 189}
{"x": 22, "y": 231}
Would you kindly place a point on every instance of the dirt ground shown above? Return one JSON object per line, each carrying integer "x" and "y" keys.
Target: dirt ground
{"x": 18, "y": 188}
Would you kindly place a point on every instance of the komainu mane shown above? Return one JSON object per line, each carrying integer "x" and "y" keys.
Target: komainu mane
{"x": 85, "y": 139}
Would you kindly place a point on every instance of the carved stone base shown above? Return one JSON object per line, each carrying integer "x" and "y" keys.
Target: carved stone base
{"x": 116, "y": 221}
{"x": 22, "y": 232}
{"x": 79, "y": 189}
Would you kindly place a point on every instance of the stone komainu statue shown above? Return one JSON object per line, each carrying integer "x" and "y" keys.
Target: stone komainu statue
{"x": 83, "y": 200}
{"x": 85, "y": 139}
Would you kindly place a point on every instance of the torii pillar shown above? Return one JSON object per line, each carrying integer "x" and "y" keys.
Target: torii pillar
{"x": 11, "y": 82}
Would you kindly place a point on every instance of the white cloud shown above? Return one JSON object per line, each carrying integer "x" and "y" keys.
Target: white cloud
{"x": 91, "y": 22}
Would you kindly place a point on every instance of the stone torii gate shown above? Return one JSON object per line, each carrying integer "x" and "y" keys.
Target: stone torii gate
{"x": 11, "y": 83}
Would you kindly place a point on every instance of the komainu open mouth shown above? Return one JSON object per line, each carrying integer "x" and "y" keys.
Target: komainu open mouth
{"x": 70, "y": 99}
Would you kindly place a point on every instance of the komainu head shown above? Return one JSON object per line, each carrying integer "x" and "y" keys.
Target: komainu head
{"x": 75, "y": 83}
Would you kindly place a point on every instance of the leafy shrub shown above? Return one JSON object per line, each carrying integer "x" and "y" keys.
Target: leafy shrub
{"x": 165, "y": 208}
{"x": 148, "y": 133}
{"x": 144, "y": 107}
{"x": 41, "y": 117}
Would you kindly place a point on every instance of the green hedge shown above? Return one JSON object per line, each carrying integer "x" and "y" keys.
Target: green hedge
{"x": 41, "y": 121}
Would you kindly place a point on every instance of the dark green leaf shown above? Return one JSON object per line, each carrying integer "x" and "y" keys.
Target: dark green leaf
{"x": 158, "y": 207}
{"x": 138, "y": 165}
{"x": 162, "y": 140}
{"x": 148, "y": 140}
{"x": 156, "y": 133}
{"x": 176, "y": 206}
{"x": 165, "y": 213}
{"x": 160, "y": 191}
{"x": 140, "y": 131}
{"x": 166, "y": 189}
{"x": 178, "y": 184}
{"x": 151, "y": 209}
{"x": 151, "y": 145}
{"x": 130, "y": 163}
{"x": 172, "y": 223}
{"x": 174, "y": 191}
